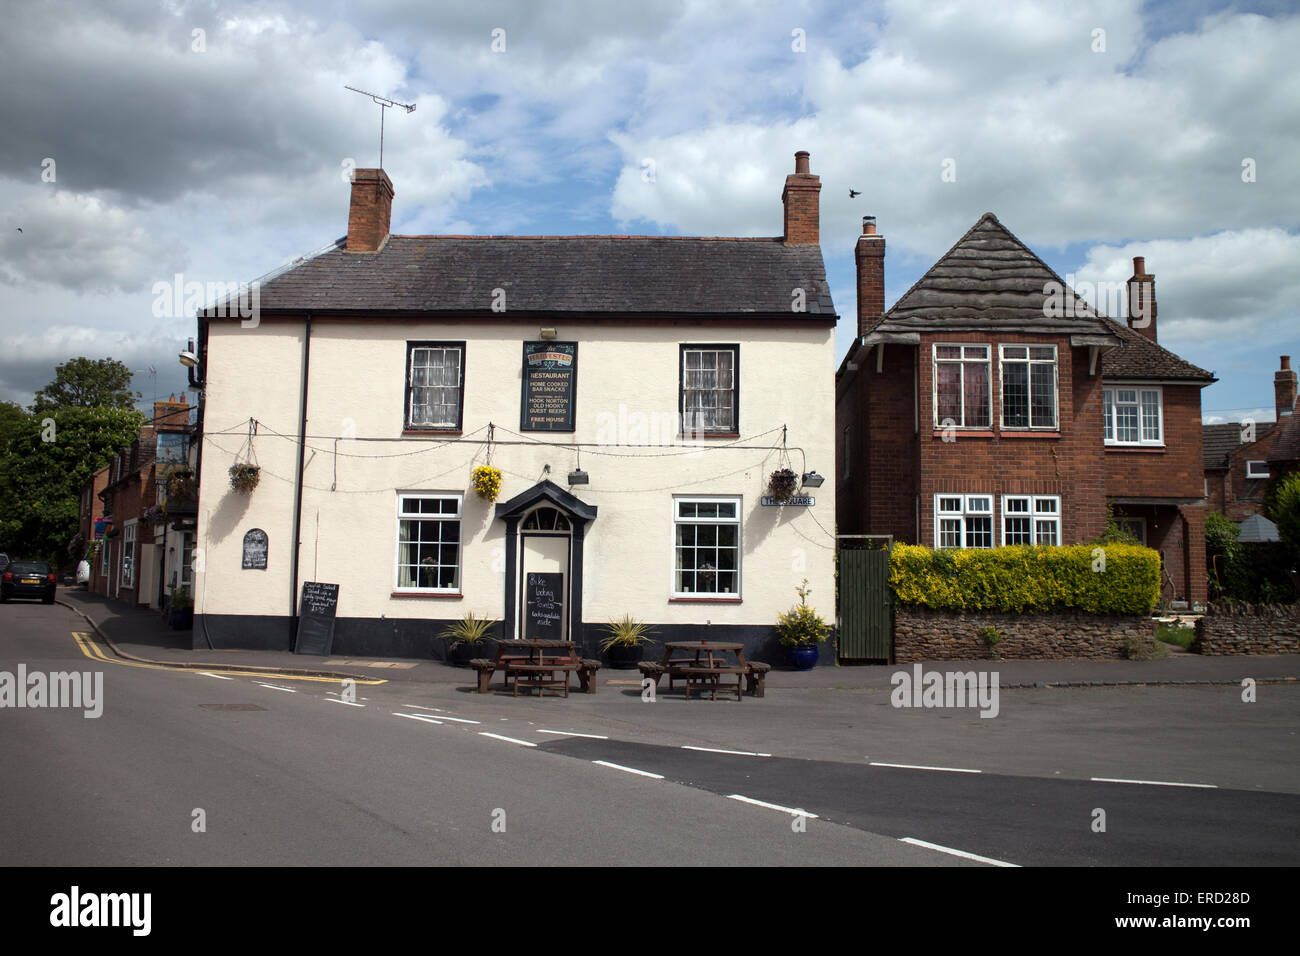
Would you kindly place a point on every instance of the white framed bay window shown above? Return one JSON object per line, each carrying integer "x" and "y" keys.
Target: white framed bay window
{"x": 1133, "y": 416}
{"x": 963, "y": 397}
{"x": 1028, "y": 386}
{"x": 1031, "y": 519}
{"x": 963, "y": 521}
{"x": 428, "y": 542}
{"x": 706, "y": 547}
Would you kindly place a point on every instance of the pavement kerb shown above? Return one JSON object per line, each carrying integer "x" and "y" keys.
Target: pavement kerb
{"x": 200, "y": 666}
{"x": 1030, "y": 685}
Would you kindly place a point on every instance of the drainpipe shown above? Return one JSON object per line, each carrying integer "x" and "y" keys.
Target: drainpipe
{"x": 297, "y": 507}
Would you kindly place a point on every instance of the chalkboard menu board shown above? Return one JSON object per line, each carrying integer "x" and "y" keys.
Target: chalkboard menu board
{"x": 316, "y": 618}
{"x": 255, "y": 549}
{"x": 550, "y": 384}
{"x": 544, "y": 606}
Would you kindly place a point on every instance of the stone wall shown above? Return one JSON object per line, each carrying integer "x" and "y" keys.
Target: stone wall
{"x": 1249, "y": 629}
{"x": 925, "y": 635}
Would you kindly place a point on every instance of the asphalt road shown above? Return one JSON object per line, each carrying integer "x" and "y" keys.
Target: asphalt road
{"x": 284, "y": 772}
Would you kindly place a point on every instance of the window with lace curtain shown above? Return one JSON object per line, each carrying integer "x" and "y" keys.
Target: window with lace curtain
{"x": 435, "y": 385}
{"x": 710, "y": 388}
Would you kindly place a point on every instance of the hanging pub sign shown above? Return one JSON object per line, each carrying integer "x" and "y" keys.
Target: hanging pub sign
{"x": 256, "y": 545}
{"x": 550, "y": 384}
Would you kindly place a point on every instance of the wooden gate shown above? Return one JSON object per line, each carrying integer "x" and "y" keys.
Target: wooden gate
{"x": 866, "y": 622}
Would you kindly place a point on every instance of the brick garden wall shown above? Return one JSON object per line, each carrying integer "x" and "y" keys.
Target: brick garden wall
{"x": 925, "y": 635}
{"x": 1249, "y": 629}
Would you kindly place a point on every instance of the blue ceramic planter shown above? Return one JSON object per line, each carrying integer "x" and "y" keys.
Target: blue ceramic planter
{"x": 803, "y": 656}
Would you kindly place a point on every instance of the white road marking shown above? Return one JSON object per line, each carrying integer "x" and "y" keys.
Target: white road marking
{"x": 569, "y": 733}
{"x": 512, "y": 740}
{"x": 422, "y": 707}
{"x": 961, "y": 853}
{"x": 715, "y": 750}
{"x": 1156, "y": 783}
{"x": 639, "y": 773}
{"x": 793, "y": 811}
{"x": 217, "y": 676}
{"x": 458, "y": 720}
{"x": 287, "y": 690}
{"x": 339, "y": 700}
{"x": 913, "y": 766}
{"x": 420, "y": 717}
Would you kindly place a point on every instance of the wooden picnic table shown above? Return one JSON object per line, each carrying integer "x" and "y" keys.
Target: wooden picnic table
{"x": 702, "y": 664}
{"x": 535, "y": 664}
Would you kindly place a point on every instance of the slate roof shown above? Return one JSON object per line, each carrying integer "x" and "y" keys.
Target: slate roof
{"x": 601, "y": 275}
{"x": 1257, "y": 528}
{"x": 990, "y": 279}
{"x": 1286, "y": 441}
{"x": 1217, "y": 442}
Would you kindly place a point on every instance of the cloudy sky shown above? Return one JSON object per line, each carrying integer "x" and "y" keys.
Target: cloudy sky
{"x": 210, "y": 139}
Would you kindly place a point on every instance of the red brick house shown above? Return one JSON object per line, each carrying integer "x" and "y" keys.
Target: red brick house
{"x": 1237, "y": 468}
{"x": 991, "y": 405}
{"x": 137, "y": 553}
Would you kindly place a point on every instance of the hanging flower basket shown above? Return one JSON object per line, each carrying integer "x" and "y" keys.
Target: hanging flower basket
{"x": 244, "y": 477}
{"x": 487, "y": 482}
{"x": 155, "y": 515}
{"x": 180, "y": 486}
{"x": 782, "y": 483}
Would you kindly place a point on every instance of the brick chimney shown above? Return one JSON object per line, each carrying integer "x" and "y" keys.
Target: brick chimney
{"x": 1284, "y": 382}
{"x": 800, "y": 198}
{"x": 372, "y": 206}
{"x": 869, "y": 254}
{"x": 1142, "y": 299}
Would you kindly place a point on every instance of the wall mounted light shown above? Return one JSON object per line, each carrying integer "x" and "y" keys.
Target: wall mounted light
{"x": 579, "y": 477}
{"x": 812, "y": 480}
{"x": 547, "y": 333}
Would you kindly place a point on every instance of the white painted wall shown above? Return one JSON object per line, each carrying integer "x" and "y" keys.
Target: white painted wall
{"x": 627, "y": 387}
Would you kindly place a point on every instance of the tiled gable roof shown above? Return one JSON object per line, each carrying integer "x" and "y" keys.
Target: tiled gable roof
{"x": 988, "y": 279}
{"x": 591, "y": 275}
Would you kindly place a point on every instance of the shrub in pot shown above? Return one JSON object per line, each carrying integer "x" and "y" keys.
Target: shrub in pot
{"x": 801, "y": 629}
{"x": 625, "y": 641}
{"x": 180, "y": 610}
{"x": 469, "y": 637}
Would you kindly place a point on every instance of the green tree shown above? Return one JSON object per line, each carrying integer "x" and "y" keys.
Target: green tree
{"x": 87, "y": 383}
{"x": 50, "y": 458}
{"x": 1284, "y": 511}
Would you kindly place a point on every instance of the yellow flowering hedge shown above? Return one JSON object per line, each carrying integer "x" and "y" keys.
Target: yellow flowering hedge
{"x": 1099, "y": 579}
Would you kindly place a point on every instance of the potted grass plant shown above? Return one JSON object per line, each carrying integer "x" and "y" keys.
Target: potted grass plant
{"x": 624, "y": 642}
{"x": 468, "y": 637}
{"x": 801, "y": 629}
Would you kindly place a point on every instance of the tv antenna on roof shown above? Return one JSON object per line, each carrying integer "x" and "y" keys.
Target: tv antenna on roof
{"x": 384, "y": 104}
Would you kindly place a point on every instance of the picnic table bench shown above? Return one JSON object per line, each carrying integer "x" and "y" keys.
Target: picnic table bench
{"x": 701, "y": 665}
{"x": 535, "y": 664}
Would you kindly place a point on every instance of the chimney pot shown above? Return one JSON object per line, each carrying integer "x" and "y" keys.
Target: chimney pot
{"x": 801, "y": 163}
{"x": 1139, "y": 265}
{"x": 868, "y": 225}
{"x": 1286, "y": 361}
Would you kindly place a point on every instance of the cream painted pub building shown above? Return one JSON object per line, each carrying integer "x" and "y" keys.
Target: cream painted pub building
{"x": 635, "y": 393}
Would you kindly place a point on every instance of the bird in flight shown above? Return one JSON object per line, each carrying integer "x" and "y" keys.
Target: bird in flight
{"x": 854, "y": 193}
{"x": 20, "y": 228}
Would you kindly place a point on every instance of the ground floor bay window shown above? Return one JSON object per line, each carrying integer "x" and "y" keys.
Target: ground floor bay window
{"x": 706, "y": 555}
{"x": 428, "y": 542}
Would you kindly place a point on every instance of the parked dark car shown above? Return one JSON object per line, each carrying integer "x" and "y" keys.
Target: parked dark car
{"x": 28, "y": 579}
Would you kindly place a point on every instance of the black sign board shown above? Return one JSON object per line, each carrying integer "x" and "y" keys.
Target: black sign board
{"x": 316, "y": 618}
{"x": 550, "y": 386}
{"x": 255, "y": 549}
{"x": 544, "y": 606}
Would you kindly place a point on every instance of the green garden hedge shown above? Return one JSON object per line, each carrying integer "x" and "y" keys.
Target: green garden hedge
{"x": 1022, "y": 578}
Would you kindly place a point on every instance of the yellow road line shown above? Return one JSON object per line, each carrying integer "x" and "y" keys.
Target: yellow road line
{"x": 94, "y": 652}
